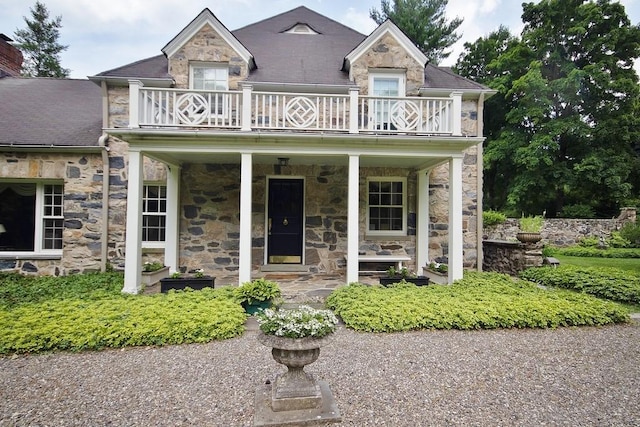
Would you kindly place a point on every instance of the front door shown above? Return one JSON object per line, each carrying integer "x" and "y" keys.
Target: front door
{"x": 285, "y": 221}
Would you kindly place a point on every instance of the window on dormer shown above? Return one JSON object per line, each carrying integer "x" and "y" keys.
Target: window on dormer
{"x": 209, "y": 77}
{"x": 301, "y": 29}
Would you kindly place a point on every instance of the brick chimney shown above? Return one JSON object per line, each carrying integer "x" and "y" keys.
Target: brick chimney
{"x": 10, "y": 58}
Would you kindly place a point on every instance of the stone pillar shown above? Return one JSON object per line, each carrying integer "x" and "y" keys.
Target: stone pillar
{"x": 456, "y": 242}
{"x": 353, "y": 221}
{"x": 244, "y": 273}
{"x": 133, "y": 241}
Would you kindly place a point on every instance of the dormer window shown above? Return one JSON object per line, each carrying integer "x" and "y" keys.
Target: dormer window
{"x": 209, "y": 76}
{"x": 301, "y": 29}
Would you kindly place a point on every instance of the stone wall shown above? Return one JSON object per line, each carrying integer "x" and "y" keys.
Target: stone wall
{"x": 563, "y": 232}
{"x": 510, "y": 257}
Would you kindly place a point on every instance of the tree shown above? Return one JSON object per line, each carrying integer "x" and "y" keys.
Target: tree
{"x": 571, "y": 124}
{"x": 39, "y": 44}
{"x": 424, "y": 22}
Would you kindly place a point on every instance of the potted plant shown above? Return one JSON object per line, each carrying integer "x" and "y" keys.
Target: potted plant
{"x": 196, "y": 281}
{"x": 153, "y": 272}
{"x": 295, "y": 337}
{"x": 530, "y": 227}
{"x": 403, "y": 275}
{"x": 437, "y": 272}
{"x": 257, "y": 294}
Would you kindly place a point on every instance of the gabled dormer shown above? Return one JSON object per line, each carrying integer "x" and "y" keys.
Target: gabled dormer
{"x": 206, "y": 55}
{"x": 386, "y": 61}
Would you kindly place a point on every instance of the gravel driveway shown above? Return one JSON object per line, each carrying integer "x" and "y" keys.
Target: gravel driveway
{"x": 563, "y": 377}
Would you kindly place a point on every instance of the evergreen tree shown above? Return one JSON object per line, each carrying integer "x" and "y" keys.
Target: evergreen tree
{"x": 424, "y": 22}
{"x": 39, "y": 44}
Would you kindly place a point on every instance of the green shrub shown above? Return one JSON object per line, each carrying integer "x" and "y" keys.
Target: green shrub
{"x": 16, "y": 289}
{"x": 258, "y": 290}
{"x": 480, "y": 300}
{"x": 491, "y": 218}
{"x": 75, "y": 324}
{"x": 631, "y": 232}
{"x": 531, "y": 224}
{"x": 597, "y": 253}
{"x": 617, "y": 241}
{"x": 609, "y": 283}
{"x": 589, "y": 242}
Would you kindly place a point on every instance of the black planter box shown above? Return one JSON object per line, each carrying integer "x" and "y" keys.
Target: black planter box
{"x": 418, "y": 281}
{"x": 195, "y": 283}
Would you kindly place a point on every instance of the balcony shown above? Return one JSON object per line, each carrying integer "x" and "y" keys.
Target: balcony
{"x": 249, "y": 110}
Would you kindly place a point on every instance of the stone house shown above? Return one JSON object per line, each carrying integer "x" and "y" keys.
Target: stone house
{"x": 293, "y": 145}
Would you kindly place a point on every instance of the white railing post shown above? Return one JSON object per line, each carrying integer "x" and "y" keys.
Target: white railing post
{"x": 247, "y": 88}
{"x": 134, "y": 103}
{"x": 353, "y": 109}
{"x": 457, "y": 113}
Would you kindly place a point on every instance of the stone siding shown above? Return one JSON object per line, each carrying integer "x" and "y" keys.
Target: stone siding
{"x": 387, "y": 53}
{"x": 510, "y": 257}
{"x": 207, "y": 46}
{"x": 81, "y": 175}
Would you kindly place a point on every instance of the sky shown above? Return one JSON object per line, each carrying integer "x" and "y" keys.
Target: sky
{"x": 103, "y": 35}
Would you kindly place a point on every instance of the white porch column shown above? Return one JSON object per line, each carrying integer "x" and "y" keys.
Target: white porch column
{"x": 457, "y": 113}
{"x": 172, "y": 231}
{"x": 134, "y": 103}
{"x": 244, "y": 275}
{"x": 422, "y": 220}
{"x": 455, "y": 220}
{"x": 133, "y": 242}
{"x": 353, "y": 222}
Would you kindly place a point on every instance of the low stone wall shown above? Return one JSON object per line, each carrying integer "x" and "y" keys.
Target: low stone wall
{"x": 510, "y": 257}
{"x": 563, "y": 232}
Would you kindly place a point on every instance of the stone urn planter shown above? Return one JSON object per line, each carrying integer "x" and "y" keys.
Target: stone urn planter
{"x": 528, "y": 237}
{"x": 152, "y": 277}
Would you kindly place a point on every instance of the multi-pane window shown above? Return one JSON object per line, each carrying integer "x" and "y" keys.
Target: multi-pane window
{"x": 386, "y": 206}
{"x": 52, "y": 217}
{"x": 209, "y": 77}
{"x": 154, "y": 213}
{"x": 385, "y": 85}
{"x": 32, "y": 216}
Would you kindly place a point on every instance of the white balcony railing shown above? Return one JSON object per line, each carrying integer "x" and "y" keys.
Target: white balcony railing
{"x": 248, "y": 110}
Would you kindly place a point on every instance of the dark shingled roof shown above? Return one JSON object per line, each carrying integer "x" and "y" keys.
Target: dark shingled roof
{"x": 155, "y": 67}
{"x": 299, "y": 58}
{"x": 296, "y": 58}
{"x": 43, "y": 111}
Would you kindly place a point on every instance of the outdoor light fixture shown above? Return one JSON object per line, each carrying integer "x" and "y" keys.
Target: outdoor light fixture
{"x": 283, "y": 161}
{"x": 2, "y": 229}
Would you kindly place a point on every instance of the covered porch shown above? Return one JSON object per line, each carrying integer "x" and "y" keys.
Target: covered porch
{"x": 247, "y": 153}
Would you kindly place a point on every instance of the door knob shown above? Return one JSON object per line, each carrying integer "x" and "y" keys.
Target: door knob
{"x": 285, "y": 222}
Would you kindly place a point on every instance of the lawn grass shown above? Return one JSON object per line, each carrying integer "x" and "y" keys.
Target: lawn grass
{"x": 631, "y": 264}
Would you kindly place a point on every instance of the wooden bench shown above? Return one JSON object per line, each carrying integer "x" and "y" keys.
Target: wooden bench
{"x": 388, "y": 259}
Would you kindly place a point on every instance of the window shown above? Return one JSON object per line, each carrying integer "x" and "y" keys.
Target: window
{"x": 386, "y": 213}
{"x": 384, "y": 85}
{"x": 209, "y": 77}
{"x": 32, "y": 217}
{"x": 154, "y": 213}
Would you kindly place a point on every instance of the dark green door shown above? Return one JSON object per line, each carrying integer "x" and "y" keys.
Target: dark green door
{"x": 285, "y": 221}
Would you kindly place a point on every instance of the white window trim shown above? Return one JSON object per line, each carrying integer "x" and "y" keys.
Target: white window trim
{"x": 150, "y": 244}
{"x": 396, "y": 233}
{"x": 38, "y": 251}
{"x": 386, "y": 74}
{"x": 218, "y": 65}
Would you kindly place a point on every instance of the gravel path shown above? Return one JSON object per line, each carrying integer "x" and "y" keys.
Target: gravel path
{"x": 564, "y": 377}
